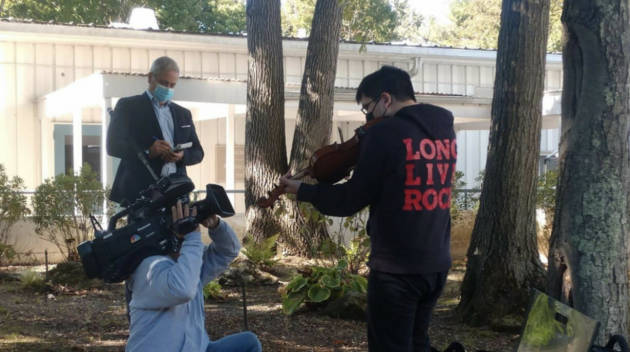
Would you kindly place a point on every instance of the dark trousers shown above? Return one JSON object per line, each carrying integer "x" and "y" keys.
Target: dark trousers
{"x": 399, "y": 310}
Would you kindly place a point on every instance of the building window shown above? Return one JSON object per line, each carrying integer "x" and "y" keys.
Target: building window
{"x": 64, "y": 156}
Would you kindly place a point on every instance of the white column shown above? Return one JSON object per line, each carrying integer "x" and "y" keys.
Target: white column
{"x": 106, "y": 161}
{"x": 229, "y": 151}
{"x": 47, "y": 145}
{"x": 77, "y": 140}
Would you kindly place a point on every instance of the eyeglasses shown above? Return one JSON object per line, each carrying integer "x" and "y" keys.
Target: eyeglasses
{"x": 365, "y": 108}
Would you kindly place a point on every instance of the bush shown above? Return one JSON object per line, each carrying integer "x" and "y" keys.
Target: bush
{"x": 71, "y": 274}
{"x": 334, "y": 289}
{"x": 262, "y": 254}
{"x": 63, "y": 206}
{"x": 7, "y": 253}
{"x": 356, "y": 251}
{"x": 213, "y": 290}
{"x": 12, "y": 209}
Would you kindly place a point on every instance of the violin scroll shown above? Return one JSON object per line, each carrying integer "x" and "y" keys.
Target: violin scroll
{"x": 278, "y": 190}
{"x": 272, "y": 197}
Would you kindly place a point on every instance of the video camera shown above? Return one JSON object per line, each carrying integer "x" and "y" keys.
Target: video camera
{"x": 115, "y": 253}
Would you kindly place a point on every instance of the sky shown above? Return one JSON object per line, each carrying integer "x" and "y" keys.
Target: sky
{"x": 436, "y": 8}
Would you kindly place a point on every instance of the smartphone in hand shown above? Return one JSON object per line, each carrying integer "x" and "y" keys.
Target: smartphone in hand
{"x": 182, "y": 146}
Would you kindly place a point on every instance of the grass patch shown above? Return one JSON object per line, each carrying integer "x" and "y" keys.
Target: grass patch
{"x": 34, "y": 282}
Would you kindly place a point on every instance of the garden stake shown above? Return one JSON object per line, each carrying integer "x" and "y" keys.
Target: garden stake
{"x": 244, "y": 305}
{"x": 46, "y": 259}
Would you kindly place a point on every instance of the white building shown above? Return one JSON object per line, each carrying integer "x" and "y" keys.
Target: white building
{"x": 57, "y": 81}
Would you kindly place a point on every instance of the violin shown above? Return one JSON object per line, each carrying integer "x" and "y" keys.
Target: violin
{"x": 328, "y": 164}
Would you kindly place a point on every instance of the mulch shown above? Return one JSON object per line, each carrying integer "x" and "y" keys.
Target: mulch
{"x": 95, "y": 320}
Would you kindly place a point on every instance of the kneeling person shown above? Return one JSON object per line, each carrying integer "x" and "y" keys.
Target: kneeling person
{"x": 167, "y": 307}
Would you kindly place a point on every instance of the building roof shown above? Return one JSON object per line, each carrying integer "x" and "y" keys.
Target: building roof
{"x": 452, "y": 51}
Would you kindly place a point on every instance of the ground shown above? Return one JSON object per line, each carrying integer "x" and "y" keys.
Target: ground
{"x": 95, "y": 320}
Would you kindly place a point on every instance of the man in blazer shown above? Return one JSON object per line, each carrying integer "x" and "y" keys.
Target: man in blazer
{"x": 150, "y": 123}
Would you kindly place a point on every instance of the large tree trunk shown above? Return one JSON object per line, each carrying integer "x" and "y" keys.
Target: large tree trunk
{"x": 503, "y": 261}
{"x": 314, "y": 120}
{"x": 265, "y": 146}
{"x": 589, "y": 238}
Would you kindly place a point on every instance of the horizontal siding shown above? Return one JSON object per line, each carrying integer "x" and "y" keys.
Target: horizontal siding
{"x": 29, "y": 70}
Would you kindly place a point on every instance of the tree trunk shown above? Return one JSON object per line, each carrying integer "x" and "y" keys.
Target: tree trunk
{"x": 589, "y": 238}
{"x": 265, "y": 146}
{"x": 503, "y": 261}
{"x": 315, "y": 111}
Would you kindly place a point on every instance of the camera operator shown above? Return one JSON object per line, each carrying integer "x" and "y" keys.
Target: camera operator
{"x": 167, "y": 307}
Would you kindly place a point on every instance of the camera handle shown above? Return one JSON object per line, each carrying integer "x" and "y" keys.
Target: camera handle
{"x": 144, "y": 161}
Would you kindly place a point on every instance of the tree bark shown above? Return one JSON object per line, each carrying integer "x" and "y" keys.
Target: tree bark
{"x": 589, "y": 238}
{"x": 503, "y": 261}
{"x": 314, "y": 119}
{"x": 265, "y": 146}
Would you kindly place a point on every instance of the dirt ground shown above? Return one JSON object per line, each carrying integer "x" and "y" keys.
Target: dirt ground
{"x": 95, "y": 320}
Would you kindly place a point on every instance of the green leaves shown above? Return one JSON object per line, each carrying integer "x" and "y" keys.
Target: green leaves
{"x": 62, "y": 207}
{"x": 213, "y": 290}
{"x": 292, "y": 302}
{"x": 363, "y": 20}
{"x": 476, "y": 23}
{"x": 213, "y": 16}
{"x": 296, "y": 284}
{"x": 331, "y": 281}
{"x": 12, "y": 204}
{"x": 330, "y": 288}
{"x": 261, "y": 254}
{"x": 318, "y": 294}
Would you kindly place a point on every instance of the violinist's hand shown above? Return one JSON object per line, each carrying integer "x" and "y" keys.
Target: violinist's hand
{"x": 290, "y": 186}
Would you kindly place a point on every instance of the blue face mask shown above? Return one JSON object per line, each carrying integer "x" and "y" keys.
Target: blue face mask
{"x": 162, "y": 93}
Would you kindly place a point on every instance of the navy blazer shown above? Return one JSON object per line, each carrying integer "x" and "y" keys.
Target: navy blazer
{"x": 133, "y": 128}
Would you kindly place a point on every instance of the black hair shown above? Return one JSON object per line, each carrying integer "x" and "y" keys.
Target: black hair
{"x": 388, "y": 79}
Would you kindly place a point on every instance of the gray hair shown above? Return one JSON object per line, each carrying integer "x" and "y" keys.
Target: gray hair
{"x": 163, "y": 64}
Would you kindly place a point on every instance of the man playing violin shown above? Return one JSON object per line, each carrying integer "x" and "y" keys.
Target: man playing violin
{"x": 404, "y": 174}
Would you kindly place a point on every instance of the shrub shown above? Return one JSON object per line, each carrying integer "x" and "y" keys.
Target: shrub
{"x": 213, "y": 291}
{"x": 12, "y": 209}
{"x": 334, "y": 289}
{"x": 356, "y": 251}
{"x": 262, "y": 254}
{"x": 7, "y": 253}
{"x": 62, "y": 208}
{"x": 71, "y": 274}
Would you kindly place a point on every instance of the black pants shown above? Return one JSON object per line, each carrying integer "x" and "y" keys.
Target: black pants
{"x": 399, "y": 310}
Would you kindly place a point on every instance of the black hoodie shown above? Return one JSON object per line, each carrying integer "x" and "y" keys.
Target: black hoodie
{"x": 404, "y": 174}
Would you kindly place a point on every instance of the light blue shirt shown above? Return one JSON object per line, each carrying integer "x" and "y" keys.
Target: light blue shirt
{"x": 165, "y": 119}
{"x": 167, "y": 308}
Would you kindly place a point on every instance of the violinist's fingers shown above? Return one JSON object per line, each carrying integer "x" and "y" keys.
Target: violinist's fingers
{"x": 180, "y": 213}
{"x": 288, "y": 174}
{"x": 290, "y": 186}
